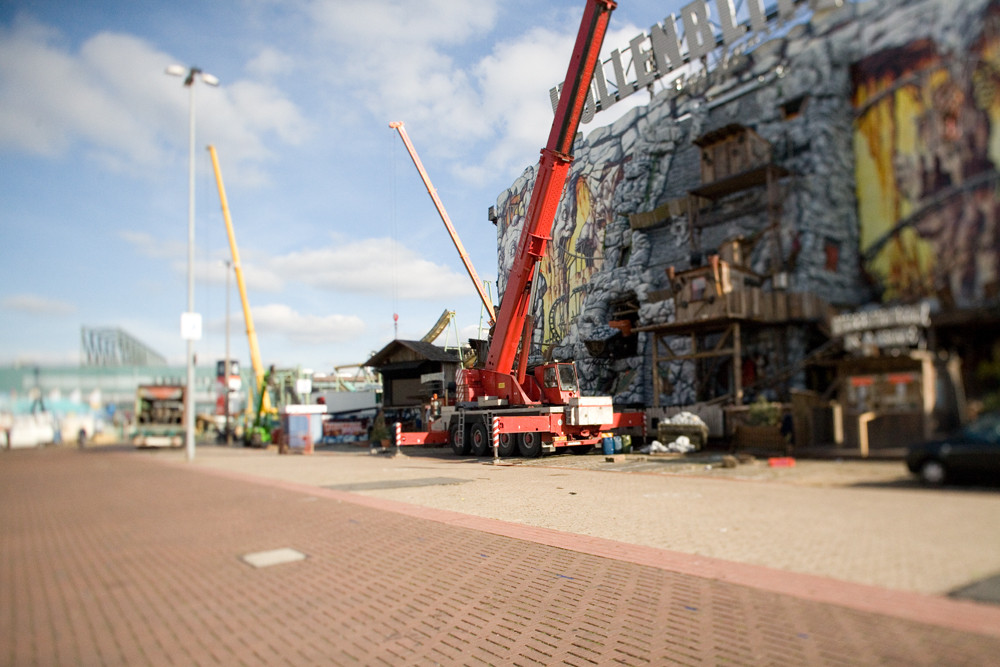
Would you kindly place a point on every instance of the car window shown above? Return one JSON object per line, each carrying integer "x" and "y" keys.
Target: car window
{"x": 985, "y": 429}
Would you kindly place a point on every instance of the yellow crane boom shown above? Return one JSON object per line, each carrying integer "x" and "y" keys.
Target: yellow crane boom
{"x": 258, "y": 366}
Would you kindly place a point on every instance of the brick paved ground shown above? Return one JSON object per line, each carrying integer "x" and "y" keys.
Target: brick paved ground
{"x": 112, "y": 558}
{"x": 850, "y": 521}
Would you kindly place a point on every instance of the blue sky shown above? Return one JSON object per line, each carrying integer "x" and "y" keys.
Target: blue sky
{"x": 335, "y": 230}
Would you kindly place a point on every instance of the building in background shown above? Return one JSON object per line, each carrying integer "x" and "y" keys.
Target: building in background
{"x": 832, "y": 160}
{"x": 103, "y": 386}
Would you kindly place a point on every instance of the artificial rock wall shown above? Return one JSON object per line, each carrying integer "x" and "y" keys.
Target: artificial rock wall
{"x": 622, "y": 220}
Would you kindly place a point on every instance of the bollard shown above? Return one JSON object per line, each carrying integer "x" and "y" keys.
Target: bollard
{"x": 496, "y": 440}
{"x": 399, "y": 435}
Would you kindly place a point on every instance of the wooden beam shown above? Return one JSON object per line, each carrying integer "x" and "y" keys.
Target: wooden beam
{"x": 656, "y": 369}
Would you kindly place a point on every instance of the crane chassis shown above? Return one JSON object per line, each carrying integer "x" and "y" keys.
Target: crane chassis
{"x": 500, "y": 402}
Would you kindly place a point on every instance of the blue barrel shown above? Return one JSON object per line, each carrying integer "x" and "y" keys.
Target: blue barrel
{"x": 608, "y": 444}
{"x": 618, "y": 444}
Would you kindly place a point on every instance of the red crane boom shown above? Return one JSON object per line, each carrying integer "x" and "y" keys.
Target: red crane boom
{"x": 552, "y": 169}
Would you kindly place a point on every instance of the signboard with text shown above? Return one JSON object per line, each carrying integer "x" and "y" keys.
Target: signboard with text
{"x": 896, "y": 328}
{"x": 653, "y": 56}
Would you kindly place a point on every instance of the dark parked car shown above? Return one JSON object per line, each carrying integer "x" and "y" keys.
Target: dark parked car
{"x": 971, "y": 454}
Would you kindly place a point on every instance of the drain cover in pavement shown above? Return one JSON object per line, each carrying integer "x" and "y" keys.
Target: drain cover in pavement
{"x": 397, "y": 484}
{"x": 273, "y": 557}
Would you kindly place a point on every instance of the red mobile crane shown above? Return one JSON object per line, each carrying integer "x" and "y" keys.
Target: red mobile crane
{"x": 544, "y": 410}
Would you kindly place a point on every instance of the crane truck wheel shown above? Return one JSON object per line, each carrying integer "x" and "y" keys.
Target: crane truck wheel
{"x": 480, "y": 437}
{"x": 530, "y": 444}
{"x": 508, "y": 445}
{"x": 459, "y": 443}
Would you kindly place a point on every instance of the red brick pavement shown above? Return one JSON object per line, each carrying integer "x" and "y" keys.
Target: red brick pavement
{"x": 115, "y": 559}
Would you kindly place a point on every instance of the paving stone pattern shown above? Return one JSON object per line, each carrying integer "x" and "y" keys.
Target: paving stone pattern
{"x": 114, "y": 559}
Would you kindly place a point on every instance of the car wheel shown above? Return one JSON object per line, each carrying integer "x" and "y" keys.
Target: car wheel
{"x": 480, "y": 437}
{"x": 530, "y": 444}
{"x": 932, "y": 472}
{"x": 459, "y": 443}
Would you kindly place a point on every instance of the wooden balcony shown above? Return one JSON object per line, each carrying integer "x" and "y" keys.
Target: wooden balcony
{"x": 720, "y": 292}
{"x": 752, "y": 305}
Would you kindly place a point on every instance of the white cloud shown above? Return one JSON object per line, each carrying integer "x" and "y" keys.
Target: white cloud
{"x": 307, "y": 329}
{"x": 367, "y": 267}
{"x": 152, "y": 247}
{"x": 407, "y": 54}
{"x": 270, "y": 62}
{"x": 371, "y": 266}
{"x": 381, "y": 23}
{"x": 112, "y": 98}
{"x": 491, "y": 115}
{"x": 257, "y": 275}
{"x": 49, "y": 98}
{"x": 515, "y": 79}
{"x": 471, "y": 331}
{"x": 241, "y": 116}
{"x": 34, "y": 304}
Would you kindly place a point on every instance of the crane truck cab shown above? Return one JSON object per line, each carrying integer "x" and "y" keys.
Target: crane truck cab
{"x": 558, "y": 382}
{"x": 553, "y": 383}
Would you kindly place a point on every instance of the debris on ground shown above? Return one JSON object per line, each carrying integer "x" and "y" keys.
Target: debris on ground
{"x": 688, "y": 418}
{"x": 685, "y": 432}
{"x": 682, "y": 445}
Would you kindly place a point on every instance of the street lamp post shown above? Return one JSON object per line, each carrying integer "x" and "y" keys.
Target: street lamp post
{"x": 190, "y": 323}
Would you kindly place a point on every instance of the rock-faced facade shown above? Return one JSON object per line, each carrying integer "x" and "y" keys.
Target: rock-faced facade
{"x": 848, "y": 157}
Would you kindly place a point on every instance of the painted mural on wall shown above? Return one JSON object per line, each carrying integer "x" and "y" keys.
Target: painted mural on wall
{"x": 574, "y": 254}
{"x": 886, "y": 114}
{"x": 927, "y": 147}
